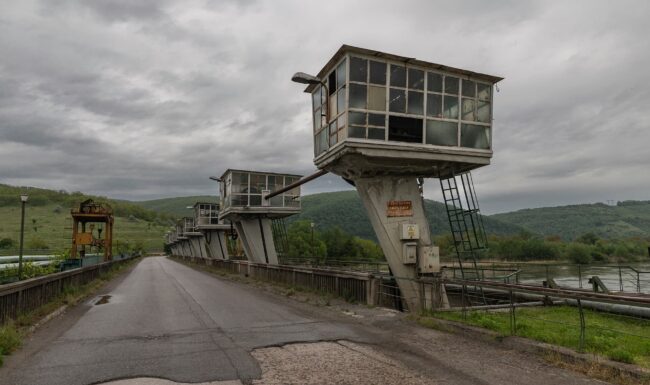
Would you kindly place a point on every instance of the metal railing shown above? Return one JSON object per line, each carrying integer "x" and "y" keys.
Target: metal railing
{"x": 21, "y": 297}
{"x": 353, "y": 286}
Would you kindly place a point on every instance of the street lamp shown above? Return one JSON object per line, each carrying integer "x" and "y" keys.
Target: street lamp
{"x": 303, "y": 78}
{"x": 23, "y": 200}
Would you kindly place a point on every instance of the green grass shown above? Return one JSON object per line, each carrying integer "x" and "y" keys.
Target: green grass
{"x": 12, "y": 333}
{"x": 50, "y": 226}
{"x": 619, "y": 338}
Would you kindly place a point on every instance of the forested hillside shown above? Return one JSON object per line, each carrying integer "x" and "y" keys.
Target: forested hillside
{"x": 626, "y": 219}
{"x": 345, "y": 210}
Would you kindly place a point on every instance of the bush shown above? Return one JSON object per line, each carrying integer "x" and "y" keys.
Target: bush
{"x": 579, "y": 253}
{"x": 7, "y": 243}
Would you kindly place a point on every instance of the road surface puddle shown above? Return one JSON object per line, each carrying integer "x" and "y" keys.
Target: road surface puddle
{"x": 103, "y": 300}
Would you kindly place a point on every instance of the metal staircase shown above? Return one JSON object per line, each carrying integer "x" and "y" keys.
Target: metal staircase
{"x": 280, "y": 237}
{"x": 467, "y": 230}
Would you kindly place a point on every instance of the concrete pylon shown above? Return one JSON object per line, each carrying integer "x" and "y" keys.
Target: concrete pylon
{"x": 379, "y": 195}
{"x": 197, "y": 246}
{"x": 216, "y": 244}
{"x": 257, "y": 238}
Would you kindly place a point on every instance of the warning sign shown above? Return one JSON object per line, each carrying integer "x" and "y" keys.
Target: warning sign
{"x": 400, "y": 209}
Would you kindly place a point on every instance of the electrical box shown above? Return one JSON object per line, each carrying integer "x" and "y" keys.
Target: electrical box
{"x": 409, "y": 231}
{"x": 429, "y": 261}
{"x": 84, "y": 239}
{"x": 410, "y": 253}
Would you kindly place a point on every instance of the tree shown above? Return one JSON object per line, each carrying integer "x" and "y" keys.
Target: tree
{"x": 299, "y": 235}
{"x": 579, "y": 253}
{"x": 588, "y": 239}
{"x": 7, "y": 243}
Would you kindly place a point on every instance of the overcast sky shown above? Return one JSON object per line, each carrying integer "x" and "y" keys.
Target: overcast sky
{"x": 146, "y": 99}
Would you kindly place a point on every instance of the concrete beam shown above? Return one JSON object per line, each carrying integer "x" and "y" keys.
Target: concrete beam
{"x": 376, "y": 193}
{"x": 256, "y": 235}
{"x": 216, "y": 244}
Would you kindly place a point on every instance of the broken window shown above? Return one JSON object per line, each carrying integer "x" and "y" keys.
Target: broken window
{"x": 397, "y": 101}
{"x": 404, "y": 129}
{"x": 475, "y": 136}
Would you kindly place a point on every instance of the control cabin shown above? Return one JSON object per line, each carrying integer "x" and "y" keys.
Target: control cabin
{"x": 243, "y": 192}
{"x": 381, "y": 114}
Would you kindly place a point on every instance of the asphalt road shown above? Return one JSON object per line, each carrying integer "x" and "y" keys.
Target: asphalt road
{"x": 166, "y": 320}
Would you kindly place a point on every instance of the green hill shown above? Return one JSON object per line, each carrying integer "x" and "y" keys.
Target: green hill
{"x": 48, "y": 221}
{"x": 626, "y": 219}
{"x": 345, "y": 210}
{"x": 176, "y": 207}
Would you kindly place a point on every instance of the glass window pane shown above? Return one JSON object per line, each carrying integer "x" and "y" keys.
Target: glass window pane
{"x": 442, "y": 133}
{"x": 258, "y": 183}
{"x": 376, "y": 133}
{"x": 469, "y": 88}
{"x": 450, "y": 107}
{"x": 357, "y": 118}
{"x": 333, "y": 139}
{"x": 340, "y": 100}
{"x": 342, "y": 133}
{"x": 468, "y": 109}
{"x": 331, "y": 82}
{"x": 358, "y": 96}
{"x": 322, "y": 142}
{"x": 332, "y": 105}
{"x": 483, "y": 112}
{"x": 340, "y": 75}
{"x": 255, "y": 200}
{"x": 475, "y": 136}
{"x": 316, "y": 99}
{"x": 416, "y": 103}
{"x": 275, "y": 182}
{"x": 357, "y": 132}
{"x": 397, "y": 101}
{"x": 434, "y": 82}
{"x": 291, "y": 201}
{"x": 451, "y": 85}
{"x": 317, "y": 120}
{"x": 484, "y": 91}
{"x": 377, "y": 120}
{"x": 377, "y": 72}
{"x": 397, "y": 76}
{"x": 333, "y": 128}
{"x": 434, "y": 105}
{"x": 276, "y": 201}
{"x": 239, "y": 182}
{"x": 239, "y": 200}
{"x": 340, "y": 122}
{"x": 377, "y": 98}
{"x": 403, "y": 129}
{"x": 416, "y": 79}
{"x": 358, "y": 69}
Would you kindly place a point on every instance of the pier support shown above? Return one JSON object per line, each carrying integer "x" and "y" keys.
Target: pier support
{"x": 256, "y": 235}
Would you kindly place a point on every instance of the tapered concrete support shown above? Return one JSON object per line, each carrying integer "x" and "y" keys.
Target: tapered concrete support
{"x": 197, "y": 246}
{"x": 376, "y": 193}
{"x": 256, "y": 235}
{"x": 185, "y": 248}
{"x": 216, "y": 244}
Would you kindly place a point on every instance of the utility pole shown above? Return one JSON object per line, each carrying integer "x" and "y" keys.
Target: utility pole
{"x": 23, "y": 200}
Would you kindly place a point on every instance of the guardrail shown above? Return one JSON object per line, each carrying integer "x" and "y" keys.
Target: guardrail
{"x": 27, "y": 295}
{"x": 354, "y": 286}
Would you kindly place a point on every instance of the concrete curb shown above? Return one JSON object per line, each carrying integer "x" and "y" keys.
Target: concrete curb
{"x": 568, "y": 355}
{"x": 47, "y": 318}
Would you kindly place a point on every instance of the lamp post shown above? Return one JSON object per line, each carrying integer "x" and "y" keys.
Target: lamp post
{"x": 303, "y": 78}
{"x": 23, "y": 201}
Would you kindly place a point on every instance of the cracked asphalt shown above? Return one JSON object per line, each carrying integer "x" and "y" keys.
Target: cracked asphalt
{"x": 164, "y": 322}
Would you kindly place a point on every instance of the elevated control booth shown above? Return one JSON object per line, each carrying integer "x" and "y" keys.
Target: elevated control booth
{"x": 183, "y": 242}
{"x": 243, "y": 203}
{"x": 206, "y": 221}
{"x": 384, "y": 122}
{"x": 194, "y": 238}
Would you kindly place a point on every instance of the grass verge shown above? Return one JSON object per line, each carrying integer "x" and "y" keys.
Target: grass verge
{"x": 619, "y": 338}
{"x": 12, "y": 333}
